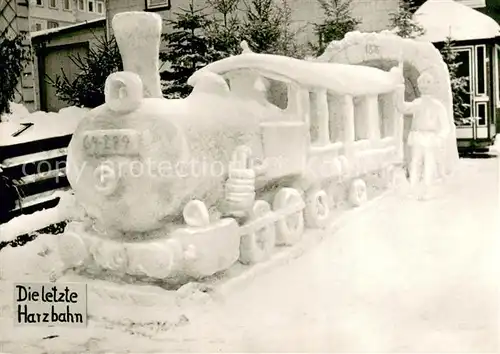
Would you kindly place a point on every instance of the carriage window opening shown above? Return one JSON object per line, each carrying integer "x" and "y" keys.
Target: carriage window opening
{"x": 313, "y": 114}
{"x": 481, "y": 114}
{"x": 464, "y": 70}
{"x": 386, "y": 113}
{"x": 360, "y": 119}
{"x": 481, "y": 70}
{"x": 276, "y": 92}
{"x": 337, "y": 114}
{"x": 497, "y": 72}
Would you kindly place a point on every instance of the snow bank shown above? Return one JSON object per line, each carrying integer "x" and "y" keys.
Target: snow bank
{"x": 17, "y": 111}
{"x": 46, "y": 124}
{"x": 443, "y": 18}
{"x": 25, "y": 224}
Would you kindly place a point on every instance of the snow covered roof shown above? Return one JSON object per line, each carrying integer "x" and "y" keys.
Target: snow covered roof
{"x": 443, "y": 18}
{"x": 64, "y": 28}
{"x": 342, "y": 79}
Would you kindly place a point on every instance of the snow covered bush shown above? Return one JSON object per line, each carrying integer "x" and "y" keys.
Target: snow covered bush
{"x": 87, "y": 89}
{"x": 13, "y": 56}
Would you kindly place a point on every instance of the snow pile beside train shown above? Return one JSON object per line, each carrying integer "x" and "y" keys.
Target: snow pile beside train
{"x": 44, "y": 124}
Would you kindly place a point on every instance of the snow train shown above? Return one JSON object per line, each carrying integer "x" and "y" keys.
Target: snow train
{"x": 264, "y": 147}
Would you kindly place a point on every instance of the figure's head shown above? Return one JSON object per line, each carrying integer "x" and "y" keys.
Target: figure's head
{"x": 425, "y": 82}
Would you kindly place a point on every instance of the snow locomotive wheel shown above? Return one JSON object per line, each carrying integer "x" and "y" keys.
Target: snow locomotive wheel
{"x": 317, "y": 210}
{"x": 258, "y": 246}
{"x": 72, "y": 249}
{"x": 358, "y": 193}
{"x": 290, "y": 227}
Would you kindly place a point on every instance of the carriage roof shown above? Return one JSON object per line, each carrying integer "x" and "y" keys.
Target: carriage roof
{"x": 343, "y": 79}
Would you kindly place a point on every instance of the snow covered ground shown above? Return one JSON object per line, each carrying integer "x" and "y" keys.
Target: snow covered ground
{"x": 407, "y": 276}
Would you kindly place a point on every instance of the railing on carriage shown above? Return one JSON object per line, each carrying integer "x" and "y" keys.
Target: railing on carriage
{"x": 366, "y": 129}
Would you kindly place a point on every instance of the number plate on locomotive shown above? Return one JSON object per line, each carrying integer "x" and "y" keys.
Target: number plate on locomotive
{"x": 111, "y": 142}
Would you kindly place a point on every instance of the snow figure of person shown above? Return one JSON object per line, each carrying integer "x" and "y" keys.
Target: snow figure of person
{"x": 428, "y": 133}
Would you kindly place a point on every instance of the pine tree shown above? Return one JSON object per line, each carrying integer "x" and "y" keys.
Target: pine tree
{"x": 402, "y": 20}
{"x": 224, "y": 30}
{"x": 188, "y": 49}
{"x": 262, "y": 25}
{"x": 267, "y": 27}
{"x": 338, "y": 21}
{"x": 288, "y": 43}
{"x": 458, "y": 83}
{"x": 13, "y": 57}
{"x": 87, "y": 88}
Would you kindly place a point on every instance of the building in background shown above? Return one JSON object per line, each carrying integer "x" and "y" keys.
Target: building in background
{"x": 476, "y": 38}
{"x": 14, "y": 20}
{"x": 53, "y": 51}
{"x": 374, "y": 14}
{"x": 48, "y": 14}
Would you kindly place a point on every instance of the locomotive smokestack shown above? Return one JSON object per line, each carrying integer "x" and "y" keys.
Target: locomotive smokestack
{"x": 138, "y": 35}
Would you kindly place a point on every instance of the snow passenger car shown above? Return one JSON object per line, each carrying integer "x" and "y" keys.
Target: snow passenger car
{"x": 264, "y": 147}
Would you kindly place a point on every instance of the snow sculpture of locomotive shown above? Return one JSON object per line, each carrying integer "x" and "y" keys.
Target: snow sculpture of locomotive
{"x": 180, "y": 189}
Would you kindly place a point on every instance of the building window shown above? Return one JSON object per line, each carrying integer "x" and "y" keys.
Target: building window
{"x": 81, "y": 5}
{"x": 39, "y": 2}
{"x": 52, "y": 24}
{"x": 37, "y": 27}
{"x": 465, "y": 58}
{"x": 67, "y": 4}
{"x": 53, "y": 4}
{"x": 480, "y": 70}
{"x": 497, "y": 73}
{"x": 100, "y": 7}
{"x": 481, "y": 114}
{"x": 91, "y": 5}
{"x": 157, "y": 4}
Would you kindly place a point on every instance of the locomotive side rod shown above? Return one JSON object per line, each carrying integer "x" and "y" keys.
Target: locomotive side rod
{"x": 272, "y": 217}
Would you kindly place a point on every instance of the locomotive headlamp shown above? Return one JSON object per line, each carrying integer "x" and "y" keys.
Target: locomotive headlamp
{"x": 106, "y": 179}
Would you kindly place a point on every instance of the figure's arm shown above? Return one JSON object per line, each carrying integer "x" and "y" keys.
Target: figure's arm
{"x": 401, "y": 105}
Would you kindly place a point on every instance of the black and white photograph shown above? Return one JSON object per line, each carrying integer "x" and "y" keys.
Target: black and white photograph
{"x": 249, "y": 176}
